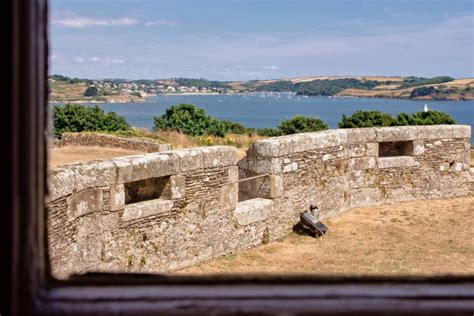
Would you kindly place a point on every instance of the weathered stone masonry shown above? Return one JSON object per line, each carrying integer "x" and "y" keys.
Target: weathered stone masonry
{"x": 113, "y": 141}
{"x": 163, "y": 211}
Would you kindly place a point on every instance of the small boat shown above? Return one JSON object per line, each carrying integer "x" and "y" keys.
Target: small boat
{"x": 425, "y": 109}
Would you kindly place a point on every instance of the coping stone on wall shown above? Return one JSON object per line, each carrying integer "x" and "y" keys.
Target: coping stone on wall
{"x": 139, "y": 167}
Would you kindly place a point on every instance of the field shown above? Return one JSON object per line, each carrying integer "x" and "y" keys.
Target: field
{"x": 422, "y": 237}
{"x": 75, "y": 154}
{"x": 62, "y": 91}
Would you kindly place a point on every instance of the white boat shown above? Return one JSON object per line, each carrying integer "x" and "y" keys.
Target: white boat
{"x": 425, "y": 109}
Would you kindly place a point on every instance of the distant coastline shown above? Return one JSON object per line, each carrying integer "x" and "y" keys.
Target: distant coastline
{"x": 75, "y": 90}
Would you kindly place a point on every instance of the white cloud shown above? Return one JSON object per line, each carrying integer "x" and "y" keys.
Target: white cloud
{"x": 108, "y": 61}
{"x": 79, "y": 59}
{"x": 270, "y": 68}
{"x": 81, "y": 22}
{"x": 94, "y": 59}
{"x": 160, "y": 23}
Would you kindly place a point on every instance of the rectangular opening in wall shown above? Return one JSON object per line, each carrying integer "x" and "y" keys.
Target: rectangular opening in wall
{"x": 393, "y": 149}
{"x": 147, "y": 189}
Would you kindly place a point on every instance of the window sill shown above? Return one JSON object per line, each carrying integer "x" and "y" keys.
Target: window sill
{"x": 146, "y": 208}
{"x": 395, "y": 162}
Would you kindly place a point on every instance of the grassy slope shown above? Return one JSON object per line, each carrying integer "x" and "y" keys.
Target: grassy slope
{"x": 65, "y": 92}
{"x": 382, "y": 91}
{"x": 422, "y": 237}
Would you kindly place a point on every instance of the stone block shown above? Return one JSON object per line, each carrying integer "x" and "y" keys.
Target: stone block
{"x": 117, "y": 197}
{"x": 178, "y": 187}
{"x": 228, "y": 155}
{"x": 252, "y": 211}
{"x": 360, "y": 135}
{"x": 84, "y": 202}
{"x": 211, "y": 157}
{"x": 61, "y": 182}
{"x": 396, "y": 133}
{"x": 268, "y": 147}
{"x": 190, "y": 159}
{"x": 395, "y": 162}
{"x": 266, "y": 165}
{"x": 233, "y": 174}
{"x": 418, "y": 147}
{"x": 301, "y": 142}
{"x": 356, "y": 150}
{"x": 147, "y": 208}
{"x": 93, "y": 174}
{"x": 329, "y": 138}
{"x": 229, "y": 196}
{"x": 290, "y": 167}
{"x": 140, "y": 167}
{"x": 361, "y": 163}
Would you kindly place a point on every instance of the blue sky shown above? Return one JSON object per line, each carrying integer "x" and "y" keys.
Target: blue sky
{"x": 260, "y": 39}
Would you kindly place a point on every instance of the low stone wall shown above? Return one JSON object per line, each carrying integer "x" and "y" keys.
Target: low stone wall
{"x": 164, "y": 211}
{"x": 105, "y": 140}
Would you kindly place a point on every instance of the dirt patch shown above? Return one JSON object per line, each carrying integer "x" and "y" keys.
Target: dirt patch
{"x": 75, "y": 154}
{"x": 472, "y": 158}
{"x": 422, "y": 237}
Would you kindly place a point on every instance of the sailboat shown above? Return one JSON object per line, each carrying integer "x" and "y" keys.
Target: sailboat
{"x": 425, "y": 109}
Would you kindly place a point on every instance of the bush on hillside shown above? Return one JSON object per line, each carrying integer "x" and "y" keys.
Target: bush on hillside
{"x": 79, "y": 118}
{"x": 421, "y": 92}
{"x": 425, "y": 118}
{"x": 301, "y": 124}
{"x": 377, "y": 118}
{"x": 190, "y": 120}
{"x": 366, "y": 119}
{"x": 91, "y": 91}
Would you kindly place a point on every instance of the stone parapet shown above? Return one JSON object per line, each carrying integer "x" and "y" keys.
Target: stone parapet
{"x": 105, "y": 140}
{"x": 168, "y": 210}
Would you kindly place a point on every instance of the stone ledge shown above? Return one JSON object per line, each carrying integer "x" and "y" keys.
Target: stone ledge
{"x": 284, "y": 145}
{"x": 254, "y": 210}
{"x": 395, "y": 162}
{"x": 113, "y": 141}
{"x": 146, "y": 208}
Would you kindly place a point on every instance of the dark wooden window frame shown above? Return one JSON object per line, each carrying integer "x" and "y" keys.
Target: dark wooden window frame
{"x": 28, "y": 288}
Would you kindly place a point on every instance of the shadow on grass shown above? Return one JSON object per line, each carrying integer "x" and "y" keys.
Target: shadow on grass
{"x": 300, "y": 230}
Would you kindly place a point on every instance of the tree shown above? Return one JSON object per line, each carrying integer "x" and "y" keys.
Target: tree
{"x": 376, "y": 118}
{"x": 91, "y": 91}
{"x": 366, "y": 119}
{"x": 190, "y": 120}
{"x": 78, "y": 118}
{"x": 426, "y": 118}
{"x": 301, "y": 124}
{"x": 422, "y": 91}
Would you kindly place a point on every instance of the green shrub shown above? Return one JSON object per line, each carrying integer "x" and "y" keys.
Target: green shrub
{"x": 301, "y": 124}
{"x": 190, "y": 120}
{"x": 269, "y": 132}
{"x": 423, "y": 91}
{"x": 425, "y": 118}
{"x": 91, "y": 91}
{"x": 376, "y": 118}
{"x": 79, "y": 118}
{"x": 366, "y": 119}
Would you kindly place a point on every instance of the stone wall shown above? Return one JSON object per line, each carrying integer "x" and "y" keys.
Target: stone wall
{"x": 192, "y": 207}
{"x": 105, "y": 140}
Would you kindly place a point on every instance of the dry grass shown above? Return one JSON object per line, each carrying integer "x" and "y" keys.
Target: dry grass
{"x": 422, "y": 237}
{"x": 75, "y": 154}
